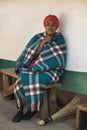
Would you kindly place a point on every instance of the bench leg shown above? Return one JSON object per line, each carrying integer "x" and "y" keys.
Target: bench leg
{"x": 52, "y": 101}
{"x": 77, "y": 119}
{"x": 49, "y": 104}
{"x": 1, "y": 82}
{"x": 43, "y": 113}
{"x": 8, "y": 85}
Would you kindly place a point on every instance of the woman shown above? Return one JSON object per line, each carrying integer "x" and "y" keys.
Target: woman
{"x": 42, "y": 62}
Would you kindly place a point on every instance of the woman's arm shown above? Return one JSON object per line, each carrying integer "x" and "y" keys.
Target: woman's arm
{"x": 46, "y": 39}
{"x": 52, "y": 56}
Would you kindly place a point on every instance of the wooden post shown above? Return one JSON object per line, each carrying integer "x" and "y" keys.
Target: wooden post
{"x": 77, "y": 119}
{"x": 49, "y": 101}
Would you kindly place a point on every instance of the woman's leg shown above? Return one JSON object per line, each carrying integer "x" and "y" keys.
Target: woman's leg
{"x": 19, "y": 114}
{"x": 38, "y": 92}
{"x": 18, "y": 92}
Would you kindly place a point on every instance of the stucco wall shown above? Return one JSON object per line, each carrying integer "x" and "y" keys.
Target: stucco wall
{"x": 20, "y": 20}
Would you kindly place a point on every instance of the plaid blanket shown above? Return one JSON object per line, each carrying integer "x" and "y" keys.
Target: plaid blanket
{"x": 47, "y": 69}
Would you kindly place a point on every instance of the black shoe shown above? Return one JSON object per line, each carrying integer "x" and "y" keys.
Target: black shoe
{"x": 18, "y": 116}
{"x": 28, "y": 115}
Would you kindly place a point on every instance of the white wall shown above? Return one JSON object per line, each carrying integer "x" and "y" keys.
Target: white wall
{"x": 21, "y": 19}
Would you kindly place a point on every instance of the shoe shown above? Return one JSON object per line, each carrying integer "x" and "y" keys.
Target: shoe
{"x": 18, "y": 116}
{"x": 28, "y": 115}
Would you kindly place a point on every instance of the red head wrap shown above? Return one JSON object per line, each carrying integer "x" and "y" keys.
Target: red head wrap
{"x": 51, "y": 18}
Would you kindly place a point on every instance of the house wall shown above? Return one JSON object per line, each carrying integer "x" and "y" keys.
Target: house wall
{"x": 20, "y": 20}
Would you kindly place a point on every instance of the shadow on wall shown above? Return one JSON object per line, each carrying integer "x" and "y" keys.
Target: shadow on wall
{"x": 63, "y": 22}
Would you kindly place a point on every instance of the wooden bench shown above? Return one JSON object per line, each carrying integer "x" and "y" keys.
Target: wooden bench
{"x": 50, "y": 106}
{"x": 50, "y": 97}
{"x": 8, "y": 77}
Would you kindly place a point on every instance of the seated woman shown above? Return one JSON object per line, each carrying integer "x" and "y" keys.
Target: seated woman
{"x": 42, "y": 62}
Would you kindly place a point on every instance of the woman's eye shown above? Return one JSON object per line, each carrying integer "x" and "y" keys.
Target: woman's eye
{"x": 48, "y": 24}
{"x": 51, "y": 25}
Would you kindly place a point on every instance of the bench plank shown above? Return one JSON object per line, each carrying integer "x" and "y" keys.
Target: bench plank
{"x": 9, "y": 71}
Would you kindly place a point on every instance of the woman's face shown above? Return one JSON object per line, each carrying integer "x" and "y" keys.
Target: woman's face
{"x": 50, "y": 27}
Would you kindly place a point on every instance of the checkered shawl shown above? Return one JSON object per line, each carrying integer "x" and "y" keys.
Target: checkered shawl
{"x": 47, "y": 69}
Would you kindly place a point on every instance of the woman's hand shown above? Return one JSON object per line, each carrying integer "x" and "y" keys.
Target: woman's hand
{"x": 47, "y": 39}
